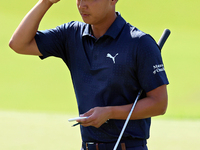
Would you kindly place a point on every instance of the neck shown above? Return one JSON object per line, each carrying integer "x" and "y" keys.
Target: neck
{"x": 101, "y": 28}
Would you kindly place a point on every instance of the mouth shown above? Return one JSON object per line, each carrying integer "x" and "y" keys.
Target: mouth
{"x": 83, "y": 14}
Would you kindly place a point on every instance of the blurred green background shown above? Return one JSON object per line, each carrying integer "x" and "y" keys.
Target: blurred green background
{"x": 37, "y": 96}
{"x": 29, "y": 84}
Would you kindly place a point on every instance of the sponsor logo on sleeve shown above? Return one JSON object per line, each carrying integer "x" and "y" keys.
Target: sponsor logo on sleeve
{"x": 158, "y": 68}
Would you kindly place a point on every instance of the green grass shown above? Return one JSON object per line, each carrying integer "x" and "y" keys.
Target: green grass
{"x": 29, "y": 84}
{"x": 36, "y": 131}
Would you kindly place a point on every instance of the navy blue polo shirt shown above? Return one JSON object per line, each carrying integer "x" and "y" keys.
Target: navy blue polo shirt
{"x": 108, "y": 71}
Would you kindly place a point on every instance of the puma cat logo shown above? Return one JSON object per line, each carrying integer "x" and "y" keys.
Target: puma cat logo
{"x": 110, "y": 56}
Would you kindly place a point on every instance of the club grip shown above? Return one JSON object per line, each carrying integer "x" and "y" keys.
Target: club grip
{"x": 163, "y": 38}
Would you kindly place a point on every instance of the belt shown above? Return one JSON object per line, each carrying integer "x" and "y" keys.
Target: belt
{"x": 102, "y": 146}
{"x": 110, "y": 146}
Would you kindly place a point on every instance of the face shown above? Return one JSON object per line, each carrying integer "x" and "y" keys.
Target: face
{"x": 95, "y": 11}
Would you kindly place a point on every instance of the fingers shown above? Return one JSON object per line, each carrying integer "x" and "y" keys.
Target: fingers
{"x": 90, "y": 121}
{"x": 88, "y": 113}
{"x": 54, "y": 1}
{"x": 96, "y": 117}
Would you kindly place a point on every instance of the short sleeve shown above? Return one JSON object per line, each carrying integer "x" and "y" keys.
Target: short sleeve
{"x": 150, "y": 68}
{"x": 51, "y": 42}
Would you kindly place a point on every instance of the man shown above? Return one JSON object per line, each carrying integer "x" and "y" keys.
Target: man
{"x": 110, "y": 61}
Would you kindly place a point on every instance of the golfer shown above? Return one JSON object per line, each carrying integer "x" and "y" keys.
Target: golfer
{"x": 110, "y": 62}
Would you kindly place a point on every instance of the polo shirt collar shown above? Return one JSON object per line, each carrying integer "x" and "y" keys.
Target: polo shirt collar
{"x": 112, "y": 31}
{"x": 87, "y": 30}
{"x": 116, "y": 27}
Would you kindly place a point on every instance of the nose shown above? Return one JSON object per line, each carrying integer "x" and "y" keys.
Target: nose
{"x": 82, "y": 4}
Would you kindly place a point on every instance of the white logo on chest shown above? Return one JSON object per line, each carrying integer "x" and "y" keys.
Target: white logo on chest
{"x": 110, "y": 56}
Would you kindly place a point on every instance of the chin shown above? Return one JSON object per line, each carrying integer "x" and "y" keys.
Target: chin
{"x": 87, "y": 21}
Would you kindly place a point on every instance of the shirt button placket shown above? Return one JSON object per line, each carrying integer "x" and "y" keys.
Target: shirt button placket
{"x": 95, "y": 54}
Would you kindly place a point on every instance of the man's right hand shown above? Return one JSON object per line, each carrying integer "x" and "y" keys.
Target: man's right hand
{"x": 54, "y": 1}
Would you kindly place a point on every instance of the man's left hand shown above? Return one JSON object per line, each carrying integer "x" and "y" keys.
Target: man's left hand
{"x": 96, "y": 117}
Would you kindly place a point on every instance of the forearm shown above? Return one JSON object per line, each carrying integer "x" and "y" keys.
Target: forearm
{"x": 144, "y": 108}
{"x": 153, "y": 105}
{"x": 28, "y": 27}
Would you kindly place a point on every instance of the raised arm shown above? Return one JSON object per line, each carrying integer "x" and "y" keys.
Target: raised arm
{"x": 23, "y": 41}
